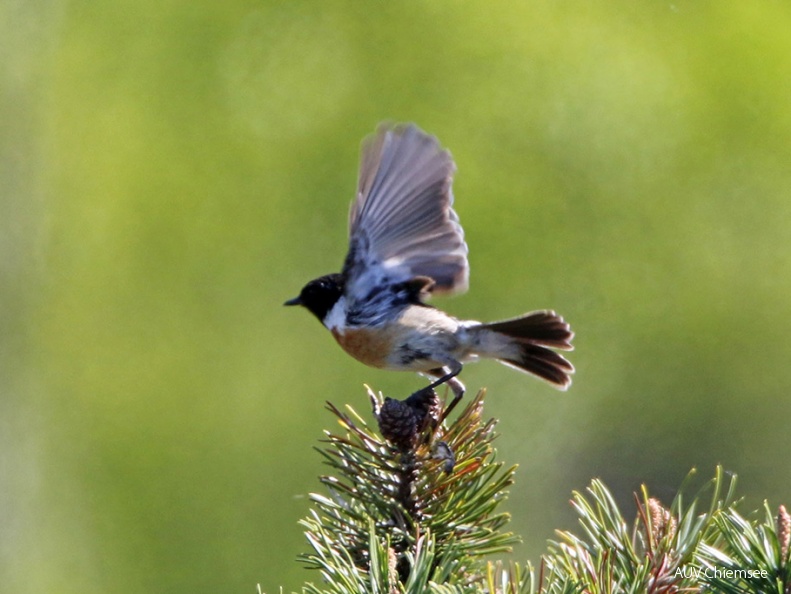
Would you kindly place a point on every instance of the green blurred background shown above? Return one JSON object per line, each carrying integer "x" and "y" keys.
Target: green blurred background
{"x": 172, "y": 171}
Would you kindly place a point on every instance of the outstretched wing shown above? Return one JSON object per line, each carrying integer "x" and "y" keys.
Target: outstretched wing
{"x": 402, "y": 224}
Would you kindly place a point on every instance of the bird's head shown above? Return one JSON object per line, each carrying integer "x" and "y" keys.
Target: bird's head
{"x": 320, "y": 295}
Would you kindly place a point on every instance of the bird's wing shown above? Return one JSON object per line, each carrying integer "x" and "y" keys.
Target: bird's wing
{"x": 402, "y": 224}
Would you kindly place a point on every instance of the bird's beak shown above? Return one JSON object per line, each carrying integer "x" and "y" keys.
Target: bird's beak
{"x": 294, "y": 301}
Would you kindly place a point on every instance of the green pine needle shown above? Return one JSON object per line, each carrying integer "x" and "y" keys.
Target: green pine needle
{"x": 407, "y": 503}
{"x": 401, "y": 519}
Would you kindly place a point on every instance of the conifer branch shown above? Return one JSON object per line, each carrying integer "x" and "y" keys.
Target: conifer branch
{"x": 413, "y": 508}
{"x": 401, "y": 499}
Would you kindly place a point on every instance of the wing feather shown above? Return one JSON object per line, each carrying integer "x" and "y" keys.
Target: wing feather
{"x": 402, "y": 224}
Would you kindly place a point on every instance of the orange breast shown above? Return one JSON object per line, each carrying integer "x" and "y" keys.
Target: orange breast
{"x": 369, "y": 347}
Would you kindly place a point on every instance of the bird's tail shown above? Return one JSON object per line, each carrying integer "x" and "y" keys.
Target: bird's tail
{"x": 526, "y": 343}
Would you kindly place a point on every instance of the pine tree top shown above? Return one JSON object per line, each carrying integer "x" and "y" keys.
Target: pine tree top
{"x": 411, "y": 506}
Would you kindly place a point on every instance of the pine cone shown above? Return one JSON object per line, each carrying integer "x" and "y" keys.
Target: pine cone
{"x": 783, "y": 531}
{"x": 398, "y": 423}
{"x": 426, "y": 405}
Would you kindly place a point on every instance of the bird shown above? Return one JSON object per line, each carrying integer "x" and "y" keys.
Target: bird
{"x": 406, "y": 244}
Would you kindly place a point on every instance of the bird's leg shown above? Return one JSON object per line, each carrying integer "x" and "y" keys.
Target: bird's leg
{"x": 446, "y": 374}
{"x": 453, "y": 369}
{"x": 458, "y": 391}
{"x": 425, "y": 404}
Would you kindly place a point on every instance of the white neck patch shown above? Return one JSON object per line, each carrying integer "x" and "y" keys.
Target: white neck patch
{"x": 336, "y": 317}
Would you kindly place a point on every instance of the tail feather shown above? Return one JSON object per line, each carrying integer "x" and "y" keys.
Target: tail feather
{"x": 543, "y": 363}
{"x": 527, "y": 350}
{"x": 544, "y": 328}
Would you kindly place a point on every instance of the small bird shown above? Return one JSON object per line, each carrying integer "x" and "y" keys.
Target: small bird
{"x": 406, "y": 244}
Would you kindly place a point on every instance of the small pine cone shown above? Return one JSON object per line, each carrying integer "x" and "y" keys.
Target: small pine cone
{"x": 392, "y": 572}
{"x": 662, "y": 521}
{"x": 398, "y": 423}
{"x": 441, "y": 451}
{"x": 783, "y": 531}
{"x": 426, "y": 405}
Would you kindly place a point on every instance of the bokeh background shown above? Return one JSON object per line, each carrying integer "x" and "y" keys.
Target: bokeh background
{"x": 172, "y": 171}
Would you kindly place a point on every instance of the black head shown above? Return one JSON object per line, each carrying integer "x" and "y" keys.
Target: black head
{"x": 319, "y": 295}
